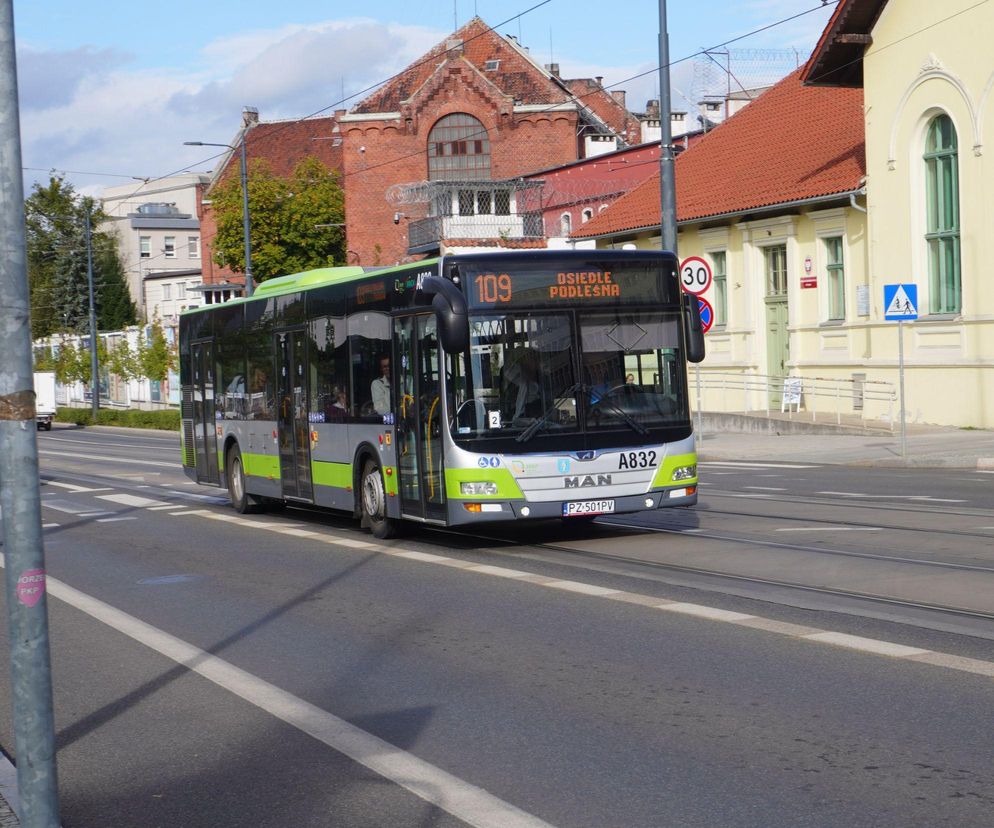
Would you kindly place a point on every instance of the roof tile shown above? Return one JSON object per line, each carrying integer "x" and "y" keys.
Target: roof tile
{"x": 794, "y": 142}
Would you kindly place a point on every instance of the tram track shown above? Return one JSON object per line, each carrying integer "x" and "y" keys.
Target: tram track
{"x": 626, "y": 563}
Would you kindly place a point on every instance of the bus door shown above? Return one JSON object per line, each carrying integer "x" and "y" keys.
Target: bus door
{"x": 420, "y": 417}
{"x": 294, "y": 430}
{"x": 204, "y": 426}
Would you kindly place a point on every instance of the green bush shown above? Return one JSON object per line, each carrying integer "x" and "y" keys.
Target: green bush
{"x": 166, "y": 420}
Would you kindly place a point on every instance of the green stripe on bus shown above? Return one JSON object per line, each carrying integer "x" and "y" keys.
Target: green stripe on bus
{"x": 262, "y": 465}
{"x": 664, "y": 474}
{"x": 507, "y": 486}
{"x": 331, "y": 474}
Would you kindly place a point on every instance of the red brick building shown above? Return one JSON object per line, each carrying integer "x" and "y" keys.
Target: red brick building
{"x": 280, "y": 143}
{"x": 436, "y": 158}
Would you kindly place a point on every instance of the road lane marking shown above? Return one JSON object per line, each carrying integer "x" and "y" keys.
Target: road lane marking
{"x": 716, "y": 614}
{"x": 49, "y": 525}
{"x": 745, "y": 465}
{"x": 451, "y": 794}
{"x": 167, "y": 506}
{"x": 867, "y": 645}
{"x": 116, "y": 519}
{"x": 918, "y": 498}
{"x": 72, "y": 487}
{"x": 132, "y": 500}
{"x": 65, "y": 455}
{"x": 832, "y": 529}
{"x": 765, "y": 488}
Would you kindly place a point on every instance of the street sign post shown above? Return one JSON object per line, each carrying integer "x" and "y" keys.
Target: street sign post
{"x": 901, "y": 305}
{"x": 695, "y": 275}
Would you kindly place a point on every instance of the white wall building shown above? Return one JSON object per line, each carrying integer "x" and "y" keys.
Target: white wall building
{"x": 158, "y": 229}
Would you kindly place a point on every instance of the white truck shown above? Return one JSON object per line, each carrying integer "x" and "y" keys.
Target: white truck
{"x": 45, "y": 398}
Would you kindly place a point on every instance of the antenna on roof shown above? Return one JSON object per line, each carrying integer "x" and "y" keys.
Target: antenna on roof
{"x": 455, "y": 15}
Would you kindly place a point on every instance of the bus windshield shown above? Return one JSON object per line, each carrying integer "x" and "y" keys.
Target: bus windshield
{"x": 597, "y": 378}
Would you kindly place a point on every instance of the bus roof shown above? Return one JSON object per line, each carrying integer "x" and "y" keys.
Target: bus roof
{"x": 307, "y": 280}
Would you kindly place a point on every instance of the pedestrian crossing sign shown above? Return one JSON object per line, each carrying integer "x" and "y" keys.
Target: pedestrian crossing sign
{"x": 900, "y": 302}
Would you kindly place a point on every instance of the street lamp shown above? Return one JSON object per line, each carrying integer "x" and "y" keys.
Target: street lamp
{"x": 245, "y": 207}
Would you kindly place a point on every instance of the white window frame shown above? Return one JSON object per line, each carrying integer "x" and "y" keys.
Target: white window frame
{"x": 193, "y": 247}
{"x": 169, "y": 247}
{"x": 145, "y": 247}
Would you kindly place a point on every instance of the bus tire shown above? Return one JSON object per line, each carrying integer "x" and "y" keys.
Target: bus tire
{"x": 373, "y": 502}
{"x": 241, "y": 500}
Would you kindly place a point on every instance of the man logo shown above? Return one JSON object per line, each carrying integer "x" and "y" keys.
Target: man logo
{"x": 586, "y": 455}
{"x": 587, "y": 480}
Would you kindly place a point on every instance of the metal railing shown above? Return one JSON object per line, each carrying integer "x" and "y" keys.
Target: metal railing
{"x": 434, "y": 229}
{"x": 831, "y": 397}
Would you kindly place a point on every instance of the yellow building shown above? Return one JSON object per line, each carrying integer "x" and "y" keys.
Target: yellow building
{"x": 928, "y": 79}
{"x": 775, "y": 200}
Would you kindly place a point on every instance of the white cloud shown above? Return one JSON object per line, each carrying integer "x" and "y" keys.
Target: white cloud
{"x": 88, "y": 112}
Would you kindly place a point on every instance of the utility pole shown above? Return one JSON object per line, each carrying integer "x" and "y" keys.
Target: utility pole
{"x": 24, "y": 555}
{"x": 94, "y": 368}
{"x": 667, "y": 181}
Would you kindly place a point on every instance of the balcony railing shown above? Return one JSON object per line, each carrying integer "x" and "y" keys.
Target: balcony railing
{"x": 429, "y": 232}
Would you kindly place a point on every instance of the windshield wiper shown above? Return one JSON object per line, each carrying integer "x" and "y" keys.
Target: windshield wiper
{"x": 529, "y": 432}
{"x": 629, "y": 420}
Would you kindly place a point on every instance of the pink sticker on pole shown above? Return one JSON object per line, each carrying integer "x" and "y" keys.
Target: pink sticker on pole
{"x": 31, "y": 586}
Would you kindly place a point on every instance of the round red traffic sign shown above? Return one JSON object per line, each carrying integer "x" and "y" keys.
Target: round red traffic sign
{"x": 695, "y": 275}
{"x": 707, "y": 313}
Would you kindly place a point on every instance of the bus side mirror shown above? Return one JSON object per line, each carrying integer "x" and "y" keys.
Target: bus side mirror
{"x": 694, "y": 329}
{"x": 451, "y": 313}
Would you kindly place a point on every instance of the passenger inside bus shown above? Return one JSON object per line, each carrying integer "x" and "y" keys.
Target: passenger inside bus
{"x": 336, "y": 409}
{"x": 380, "y": 387}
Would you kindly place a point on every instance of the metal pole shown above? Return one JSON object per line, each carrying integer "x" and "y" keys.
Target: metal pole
{"x": 94, "y": 338}
{"x": 900, "y": 375}
{"x": 667, "y": 181}
{"x": 245, "y": 223}
{"x": 24, "y": 555}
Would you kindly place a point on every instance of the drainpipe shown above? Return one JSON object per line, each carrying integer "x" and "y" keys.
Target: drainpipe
{"x": 852, "y": 197}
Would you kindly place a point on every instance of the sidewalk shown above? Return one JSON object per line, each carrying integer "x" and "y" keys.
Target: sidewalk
{"x": 927, "y": 446}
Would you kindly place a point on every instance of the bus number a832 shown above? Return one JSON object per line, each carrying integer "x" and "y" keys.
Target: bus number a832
{"x": 492, "y": 288}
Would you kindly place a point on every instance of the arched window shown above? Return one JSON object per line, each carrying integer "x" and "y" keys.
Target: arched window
{"x": 565, "y": 224}
{"x": 458, "y": 149}
{"x": 587, "y": 215}
{"x": 942, "y": 214}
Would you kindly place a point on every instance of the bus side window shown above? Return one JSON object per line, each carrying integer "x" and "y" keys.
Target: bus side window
{"x": 370, "y": 352}
{"x": 329, "y": 376}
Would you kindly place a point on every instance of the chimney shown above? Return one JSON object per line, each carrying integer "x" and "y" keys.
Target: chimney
{"x": 552, "y": 69}
{"x": 619, "y": 96}
{"x": 250, "y": 116}
{"x": 599, "y": 79}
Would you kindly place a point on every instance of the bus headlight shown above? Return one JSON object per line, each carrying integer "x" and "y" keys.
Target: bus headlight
{"x": 486, "y": 487}
{"x": 685, "y": 472}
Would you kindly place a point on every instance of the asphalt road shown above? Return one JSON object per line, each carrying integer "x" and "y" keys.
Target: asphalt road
{"x": 810, "y": 646}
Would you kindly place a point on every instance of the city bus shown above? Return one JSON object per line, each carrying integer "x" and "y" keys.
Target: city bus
{"x": 453, "y": 391}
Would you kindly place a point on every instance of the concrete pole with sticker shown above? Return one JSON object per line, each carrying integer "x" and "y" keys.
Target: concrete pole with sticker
{"x": 24, "y": 556}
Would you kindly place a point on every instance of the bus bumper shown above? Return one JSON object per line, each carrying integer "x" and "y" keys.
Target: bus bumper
{"x": 462, "y": 512}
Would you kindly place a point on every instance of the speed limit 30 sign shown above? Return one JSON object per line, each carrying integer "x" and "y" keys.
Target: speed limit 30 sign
{"x": 695, "y": 275}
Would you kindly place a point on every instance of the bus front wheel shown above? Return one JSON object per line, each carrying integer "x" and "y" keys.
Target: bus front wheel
{"x": 373, "y": 499}
{"x": 241, "y": 501}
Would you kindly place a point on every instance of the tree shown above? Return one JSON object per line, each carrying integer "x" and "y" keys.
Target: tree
{"x": 285, "y": 214}
{"x": 124, "y": 362}
{"x": 155, "y": 356}
{"x": 57, "y": 267}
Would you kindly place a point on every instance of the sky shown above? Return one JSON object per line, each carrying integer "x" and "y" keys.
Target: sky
{"x": 109, "y": 91}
